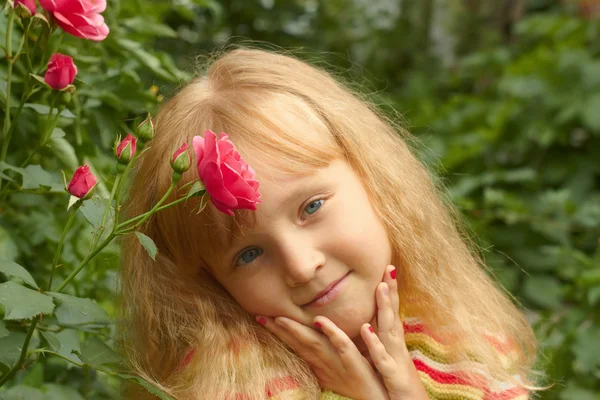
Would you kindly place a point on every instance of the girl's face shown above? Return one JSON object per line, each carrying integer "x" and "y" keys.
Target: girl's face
{"x": 311, "y": 232}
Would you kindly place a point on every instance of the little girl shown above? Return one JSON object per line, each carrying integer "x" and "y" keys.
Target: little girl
{"x": 351, "y": 279}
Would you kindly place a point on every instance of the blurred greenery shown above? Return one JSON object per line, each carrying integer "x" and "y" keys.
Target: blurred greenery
{"x": 504, "y": 96}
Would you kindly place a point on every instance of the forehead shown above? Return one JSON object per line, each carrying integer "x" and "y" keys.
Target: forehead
{"x": 278, "y": 189}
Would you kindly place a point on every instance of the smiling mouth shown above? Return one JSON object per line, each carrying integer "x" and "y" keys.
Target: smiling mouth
{"x": 329, "y": 294}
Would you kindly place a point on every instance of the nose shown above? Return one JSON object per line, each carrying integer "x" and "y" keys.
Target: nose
{"x": 300, "y": 259}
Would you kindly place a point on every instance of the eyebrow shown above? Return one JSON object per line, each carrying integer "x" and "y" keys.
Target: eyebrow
{"x": 312, "y": 184}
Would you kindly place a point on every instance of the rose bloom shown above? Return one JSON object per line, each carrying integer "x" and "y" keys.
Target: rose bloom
{"x": 29, "y": 4}
{"x": 79, "y": 18}
{"x": 82, "y": 183}
{"x": 228, "y": 179}
{"x": 61, "y": 71}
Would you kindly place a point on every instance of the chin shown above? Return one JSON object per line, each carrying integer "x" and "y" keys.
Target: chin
{"x": 350, "y": 321}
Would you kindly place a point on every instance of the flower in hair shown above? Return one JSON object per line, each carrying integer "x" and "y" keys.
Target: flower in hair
{"x": 228, "y": 179}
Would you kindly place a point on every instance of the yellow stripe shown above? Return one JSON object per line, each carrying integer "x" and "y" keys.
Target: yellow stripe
{"x": 442, "y": 353}
{"x": 449, "y": 391}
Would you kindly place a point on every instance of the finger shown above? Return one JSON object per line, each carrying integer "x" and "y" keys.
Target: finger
{"x": 390, "y": 331}
{"x": 311, "y": 344}
{"x": 390, "y": 279}
{"x": 280, "y": 332}
{"x": 385, "y": 364}
{"x": 347, "y": 351}
{"x": 385, "y": 314}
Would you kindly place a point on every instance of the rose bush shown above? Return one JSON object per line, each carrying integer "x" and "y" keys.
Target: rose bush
{"x": 61, "y": 71}
{"x": 79, "y": 18}
{"x": 228, "y": 179}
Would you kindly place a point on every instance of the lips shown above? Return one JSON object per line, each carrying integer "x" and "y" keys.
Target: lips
{"x": 326, "y": 290}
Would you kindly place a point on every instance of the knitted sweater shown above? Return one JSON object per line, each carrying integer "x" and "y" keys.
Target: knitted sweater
{"x": 437, "y": 374}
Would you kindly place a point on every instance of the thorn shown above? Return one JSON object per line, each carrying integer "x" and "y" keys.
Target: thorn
{"x": 40, "y": 316}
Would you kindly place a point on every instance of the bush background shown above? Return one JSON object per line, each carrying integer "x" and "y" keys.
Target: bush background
{"x": 504, "y": 96}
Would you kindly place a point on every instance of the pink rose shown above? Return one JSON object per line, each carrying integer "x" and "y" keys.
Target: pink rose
{"x": 82, "y": 183}
{"x": 126, "y": 149}
{"x": 80, "y": 18}
{"x": 28, "y": 4}
{"x": 228, "y": 179}
{"x": 61, "y": 71}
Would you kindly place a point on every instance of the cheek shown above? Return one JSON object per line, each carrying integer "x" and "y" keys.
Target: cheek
{"x": 259, "y": 295}
{"x": 362, "y": 242}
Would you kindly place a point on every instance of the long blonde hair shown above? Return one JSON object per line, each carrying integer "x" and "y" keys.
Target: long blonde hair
{"x": 173, "y": 304}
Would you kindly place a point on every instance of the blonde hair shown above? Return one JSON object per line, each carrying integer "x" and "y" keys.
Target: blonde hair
{"x": 173, "y": 304}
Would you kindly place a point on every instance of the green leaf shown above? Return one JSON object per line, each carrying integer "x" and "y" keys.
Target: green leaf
{"x": 146, "y": 385}
{"x": 8, "y": 247}
{"x": 147, "y": 27}
{"x": 63, "y": 150}
{"x": 22, "y": 392}
{"x": 13, "y": 269}
{"x": 93, "y": 210}
{"x": 575, "y": 392}
{"x": 60, "y": 392}
{"x": 58, "y": 133}
{"x": 148, "y": 244}
{"x": 590, "y": 114}
{"x": 35, "y": 176}
{"x": 10, "y": 348}
{"x": 73, "y": 310}
{"x": 149, "y": 60}
{"x": 22, "y": 303}
{"x": 69, "y": 345}
{"x": 40, "y": 80}
{"x": 96, "y": 353}
{"x": 3, "y": 331}
{"x": 195, "y": 190}
{"x": 586, "y": 349}
{"x": 53, "y": 342}
{"x": 44, "y": 110}
{"x": 545, "y": 291}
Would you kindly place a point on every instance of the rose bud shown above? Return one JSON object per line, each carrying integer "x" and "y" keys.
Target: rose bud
{"x": 83, "y": 183}
{"x": 126, "y": 149}
{"x": 145, "y": 131}
{"x": 228, "y": 179}
{"x": 61, "y": 71}
{"x": 79, "y": 18}
{"x": 25, "y": 8}
{"x": 181, "y": 161}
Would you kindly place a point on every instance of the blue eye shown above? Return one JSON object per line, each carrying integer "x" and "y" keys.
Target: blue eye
{"x": 311, "y": 208}
{"x": 249, "y": 255}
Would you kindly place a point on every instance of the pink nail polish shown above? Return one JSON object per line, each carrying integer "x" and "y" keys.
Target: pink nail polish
{"x": 371, "y": 329}
{"x": 262, "y": 321}
{"x": 393, "y": 273}
{"x": 318, "y": 325}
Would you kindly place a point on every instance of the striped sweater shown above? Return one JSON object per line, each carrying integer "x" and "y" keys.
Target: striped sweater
{"x": 438, "y": 375}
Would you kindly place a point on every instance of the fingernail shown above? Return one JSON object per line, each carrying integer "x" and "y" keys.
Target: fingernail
{"x": 386, "y": 289}
{"x": 393, "y": 273}
{"x": 318, "y": 325}
{"x": 262, "y": 321}
{"x": 371, "y": 329}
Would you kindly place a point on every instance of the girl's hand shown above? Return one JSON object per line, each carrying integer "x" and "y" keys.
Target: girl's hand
{"x": 332, "y": 356}
{"x": 339, "y": 366}
{"x": 387, "y": 347}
